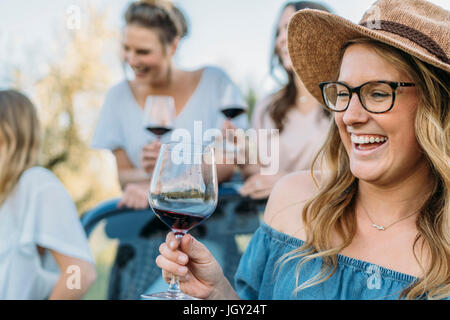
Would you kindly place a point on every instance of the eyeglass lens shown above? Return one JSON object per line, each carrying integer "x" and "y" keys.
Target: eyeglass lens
{"x": 375, "y": 96}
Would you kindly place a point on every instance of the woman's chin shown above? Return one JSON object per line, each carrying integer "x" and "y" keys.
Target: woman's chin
{"x": 366, "y": 172}
{"x": 142, "y": 78}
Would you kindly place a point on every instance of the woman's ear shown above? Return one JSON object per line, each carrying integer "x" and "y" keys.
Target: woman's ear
{"x": 174, "y": 46}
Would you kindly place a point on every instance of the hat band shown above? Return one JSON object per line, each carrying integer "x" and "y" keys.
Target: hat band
{"x": 411, "y": 34}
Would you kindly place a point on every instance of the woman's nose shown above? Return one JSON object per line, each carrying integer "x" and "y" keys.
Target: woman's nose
{"x": 355, "y": 112}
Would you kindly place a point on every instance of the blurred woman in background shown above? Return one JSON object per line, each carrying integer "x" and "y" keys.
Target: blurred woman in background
{"x": 299, "y": 117}
{"x": 150, "y": 40}
{"x": 44, "y": 253}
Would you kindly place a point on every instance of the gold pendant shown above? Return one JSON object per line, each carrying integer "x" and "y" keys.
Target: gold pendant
{"x": 378, "y": 227}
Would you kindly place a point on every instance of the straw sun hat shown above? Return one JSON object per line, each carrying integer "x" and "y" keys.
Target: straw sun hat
{"x": 418, "y": 27}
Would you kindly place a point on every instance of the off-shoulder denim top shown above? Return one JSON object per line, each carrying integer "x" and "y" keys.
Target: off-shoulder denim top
{"x": 258, "y": 277}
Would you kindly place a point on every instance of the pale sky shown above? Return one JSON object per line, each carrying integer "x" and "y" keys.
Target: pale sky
{"x": 234, "y": 34}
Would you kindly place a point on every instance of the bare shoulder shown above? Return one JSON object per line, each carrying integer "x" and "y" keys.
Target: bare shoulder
{"x": 286, "y": 201}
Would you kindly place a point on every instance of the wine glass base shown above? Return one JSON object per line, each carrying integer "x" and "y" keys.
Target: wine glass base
{"x": 168, "y": 295}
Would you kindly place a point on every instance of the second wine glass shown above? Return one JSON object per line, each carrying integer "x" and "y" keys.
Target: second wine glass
{"x": 159, "y": 115}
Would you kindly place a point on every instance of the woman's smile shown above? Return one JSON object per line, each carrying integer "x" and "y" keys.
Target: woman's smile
{"x": 367, "y": 144}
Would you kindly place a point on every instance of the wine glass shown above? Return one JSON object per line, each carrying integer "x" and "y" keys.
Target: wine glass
{"x": 232, "y": 105}
{"x": 159, "y": 115}
{"x": 183, "y": 193}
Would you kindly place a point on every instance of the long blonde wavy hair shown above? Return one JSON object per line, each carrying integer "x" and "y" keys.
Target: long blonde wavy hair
{"x": 19, "y": 139}
{"x": 332, "y": 209}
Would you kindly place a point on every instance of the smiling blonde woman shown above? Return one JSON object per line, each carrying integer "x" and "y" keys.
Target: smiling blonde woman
{"x": 375, "y": 223}
{"x": 151, "y": 37}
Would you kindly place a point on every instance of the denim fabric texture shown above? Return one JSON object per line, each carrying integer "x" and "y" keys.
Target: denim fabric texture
{"x": 258, "y": 278}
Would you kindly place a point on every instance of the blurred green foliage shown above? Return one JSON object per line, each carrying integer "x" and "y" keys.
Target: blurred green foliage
{"x": 69, "y": 96}
{"x": 251, "y": 98}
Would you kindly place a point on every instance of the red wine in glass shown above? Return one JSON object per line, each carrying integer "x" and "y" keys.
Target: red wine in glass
{"x": 158, "y": 130}
{"x": 159, "y": 115}
{"x": 180, "y": 222}
{"x": 232, "y": 112}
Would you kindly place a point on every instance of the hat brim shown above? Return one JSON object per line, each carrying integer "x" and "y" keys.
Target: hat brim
{"x": 315, "y": 39}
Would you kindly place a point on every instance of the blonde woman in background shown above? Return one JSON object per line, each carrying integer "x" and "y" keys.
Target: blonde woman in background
{"x": 375, "y": 223}
{"x": 44, "y": 253}
{"x": 151, "y": 38}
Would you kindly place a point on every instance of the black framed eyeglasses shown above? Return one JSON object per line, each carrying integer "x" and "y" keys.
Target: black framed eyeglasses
{"x": 375, "y": 96}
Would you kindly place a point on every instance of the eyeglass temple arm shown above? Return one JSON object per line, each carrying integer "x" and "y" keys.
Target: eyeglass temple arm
{"x": 406, "y": 84}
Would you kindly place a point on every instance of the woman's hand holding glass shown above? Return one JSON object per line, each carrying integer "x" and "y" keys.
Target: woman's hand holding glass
{"x": 199, "y": 273}
{"x": 259, "y": 186}
{"x": 235, "y": 142}
{"x": 183, "y": 193}
{"x": 149, "y": 155}
{"x": 134, "y": 196}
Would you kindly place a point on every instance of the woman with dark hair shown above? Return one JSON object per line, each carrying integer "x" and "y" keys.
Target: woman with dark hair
{"x": 150, "y": 40}
{"x": 299, "y": 117}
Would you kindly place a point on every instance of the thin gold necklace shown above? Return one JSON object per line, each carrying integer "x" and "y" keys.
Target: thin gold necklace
{"x": 383, "y": 228}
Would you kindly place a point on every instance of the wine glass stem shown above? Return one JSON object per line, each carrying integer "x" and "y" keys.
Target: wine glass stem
{"x": 174, "y": 285}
